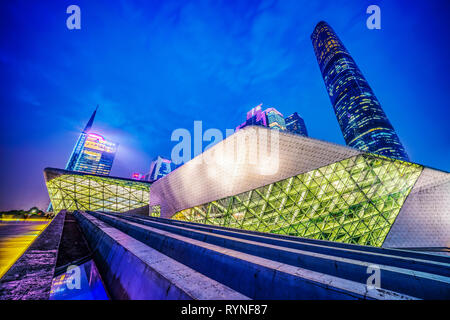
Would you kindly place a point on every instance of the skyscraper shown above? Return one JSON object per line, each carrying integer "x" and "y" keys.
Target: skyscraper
{"x": 158, "y": 169}
{"x": 255, "y": 117}
{"x": 275, "y": 119}
{"x": 92, "y": 153}
{"x": 363, "y": 122}
{"x": 270, "y": 117}
{"x": 295, "y": 124}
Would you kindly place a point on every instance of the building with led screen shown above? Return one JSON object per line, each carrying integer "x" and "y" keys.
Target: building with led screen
{"x": 96, "y": 156}
{"x": 70, "y": 190}
{"x": 363, "y": 122}
{"x": 309, "y": 188}
{"x": 92, "y": 152}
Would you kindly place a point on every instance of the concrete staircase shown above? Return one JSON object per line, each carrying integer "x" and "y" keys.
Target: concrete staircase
{"x": 154, "y": 258}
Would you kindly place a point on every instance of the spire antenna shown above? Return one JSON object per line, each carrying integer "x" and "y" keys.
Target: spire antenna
{"x": 91, "y": 121}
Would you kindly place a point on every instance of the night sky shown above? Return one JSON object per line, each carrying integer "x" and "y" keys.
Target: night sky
{"x": 155, "y": 66}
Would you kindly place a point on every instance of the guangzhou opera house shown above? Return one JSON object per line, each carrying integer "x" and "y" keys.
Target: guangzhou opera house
{"x": 70, "y": 190}
{"x": 277, "y": 182}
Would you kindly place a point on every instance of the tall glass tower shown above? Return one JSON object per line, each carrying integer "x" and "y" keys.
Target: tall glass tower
{"x": 363, "y": 122}
{"x": 92, "y": 153}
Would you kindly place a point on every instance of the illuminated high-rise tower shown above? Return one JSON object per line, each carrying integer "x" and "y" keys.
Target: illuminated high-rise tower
{"x": 275, "y": 119}
{"x": 363, "y": 122}
{"x": 92, "y": 153}
{"x": 295, "y": 124}
{"x": 270, "y": 117}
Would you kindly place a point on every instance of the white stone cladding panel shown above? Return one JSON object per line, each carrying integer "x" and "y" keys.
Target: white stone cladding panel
{"x": 424, "y": 219}
{"x": 199, "y": 181}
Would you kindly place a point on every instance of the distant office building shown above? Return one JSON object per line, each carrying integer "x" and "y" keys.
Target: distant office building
{"x": 92, "y": 153}
{"x": 158, "y": 169}
{"x": 275, "y": 119}
{"x": 295, "y": 124}
{"x": 255, "y": 117}
{"x": 270, "y": 118}
{"x": 363, "y": 122}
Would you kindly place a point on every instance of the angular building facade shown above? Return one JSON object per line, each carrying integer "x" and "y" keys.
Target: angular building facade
{"x": 348, "y": 201}
{"x": 363, "y": 122}
{"x": 319, "y": 190}
{"x": 296, "y": 124}
{"x": 69, "y": 190}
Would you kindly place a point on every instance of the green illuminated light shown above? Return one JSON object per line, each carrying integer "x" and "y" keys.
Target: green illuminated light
{"x": 354, "y": 201}
{"x": 85, "y": 192}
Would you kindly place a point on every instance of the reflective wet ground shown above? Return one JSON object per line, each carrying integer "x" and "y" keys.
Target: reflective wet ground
{"x": 80, "y": 282}
{"x": 15, "y": 237}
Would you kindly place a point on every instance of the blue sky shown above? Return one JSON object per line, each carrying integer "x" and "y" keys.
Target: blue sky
{"x": 155, "y": 66}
